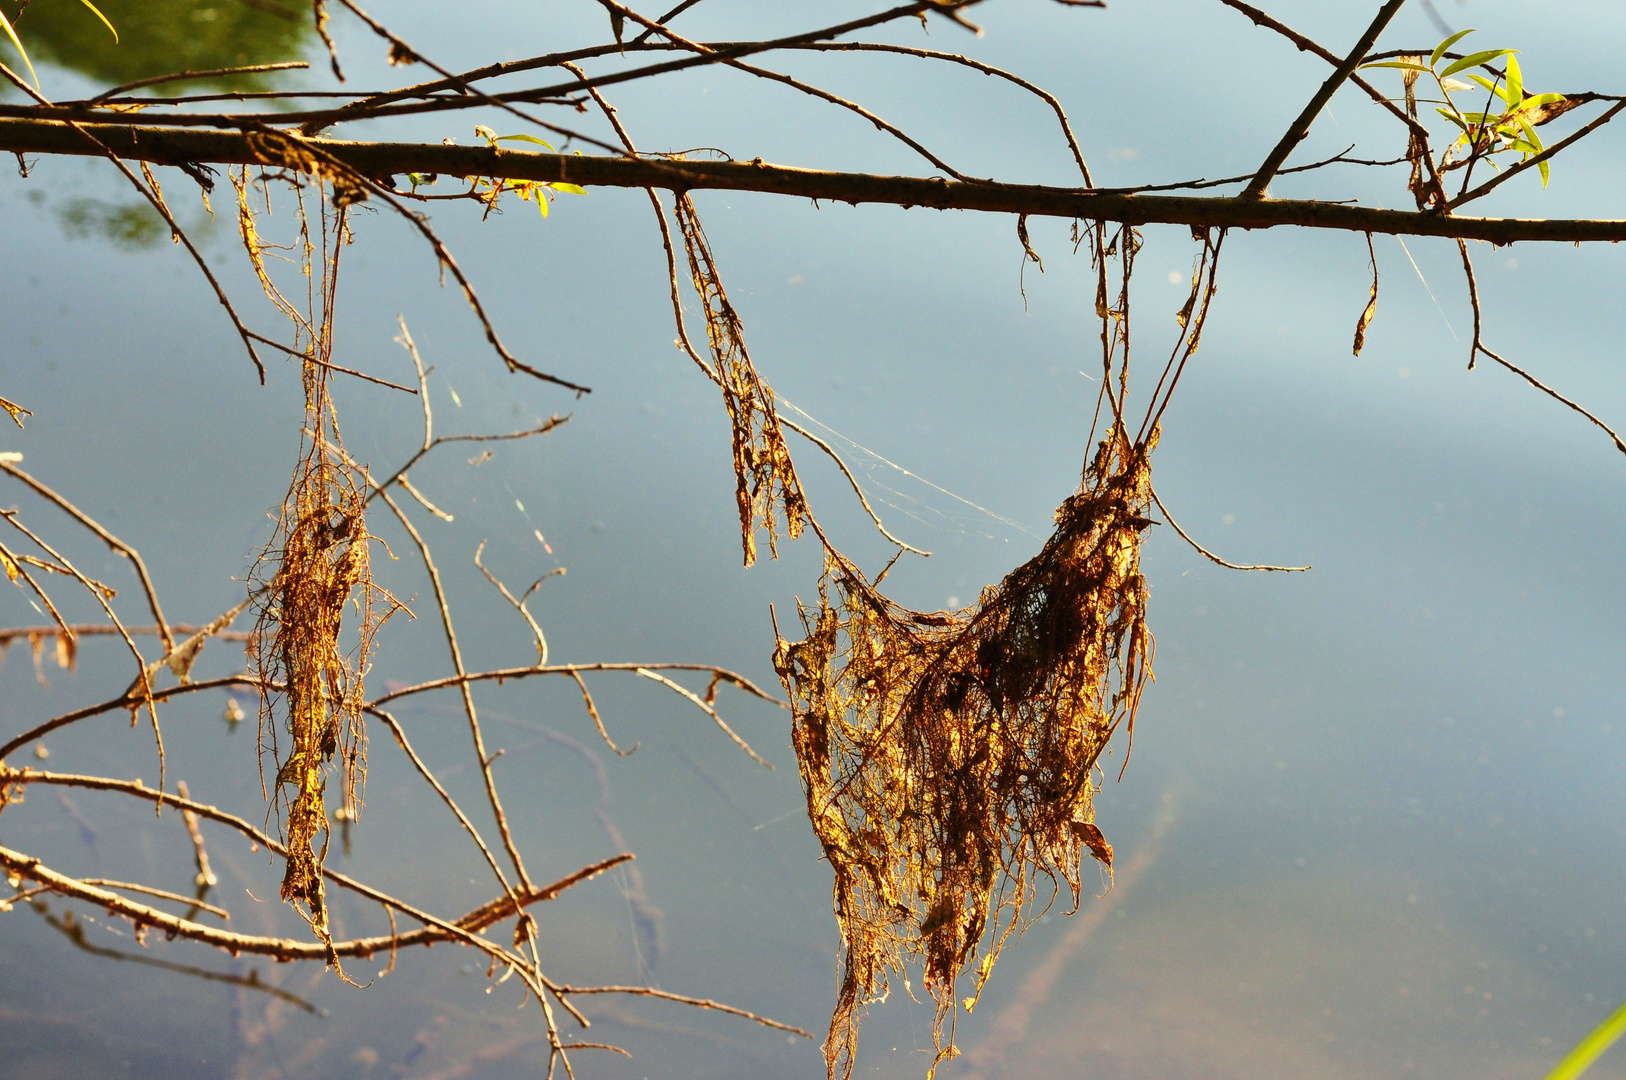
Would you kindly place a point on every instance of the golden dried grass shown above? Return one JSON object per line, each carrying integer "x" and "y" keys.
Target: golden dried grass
{"x": 947, "y": 758}
{"x": 765, "y": 477}
{"x": 315, "y": 566}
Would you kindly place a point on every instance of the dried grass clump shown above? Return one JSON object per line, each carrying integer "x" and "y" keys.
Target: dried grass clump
{"x": 947, "y": 758}
{"x": 321, "y": 560}
{"x": 765, "y": 477}
{"x": 316, "y": 564}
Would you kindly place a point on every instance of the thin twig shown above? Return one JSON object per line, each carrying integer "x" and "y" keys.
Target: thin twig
{"x": 423, "y": 770}
{"x": 598, "y": 721}
{"x": 113, "y": 542}
{"x": 158, "y": 204}
{"x": 161, "y": 893}
{"x": 10, "y": 634}
{"x": 1209, "y": 554}
{"x": 206, "y": 878}
{"x": 1301, "y": 126}
{"x": 519, "y": 602}
{"x": 124, "y": 701}
{"x": 281, "y": 948}
{"x": 178, "y": 76}
{"x": 1479, "y": 346}
{"x": 504, "y": 674}
{"x": 709, "y": 711}
{"x": 842, "y": 465}
{"x": 699, "y": 1003}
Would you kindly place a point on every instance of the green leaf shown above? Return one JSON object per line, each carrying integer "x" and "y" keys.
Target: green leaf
{"x": 1474, "y": 60}
{"x": 1488, "y": 85}
{"x": 1404, "y": 64}
{"x": 1541, "y": 167}
{"x": 1439, "y": 50}
{"x": 1536, "y": 101}
{"x": 1530, "y": 134}
{"x": 1592, "y": 1047}
{"x": 15, "y": 40}
{"x": 542, "y": 203}
{"x": 1515, "y": 81}
{"x": 97, "y": 12}
{"x": 524, "y": 138}
{"x": 574, "y": 189}
{"x": 1453, "y": 117}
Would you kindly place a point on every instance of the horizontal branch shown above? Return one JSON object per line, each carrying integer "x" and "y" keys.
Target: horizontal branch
{"x": 12, "y": 634}
{"x": 143, "y": 915}
{"x": 168, "y": 146}
{"x": 132, "y": 700}
{"x": 502, "y": 675}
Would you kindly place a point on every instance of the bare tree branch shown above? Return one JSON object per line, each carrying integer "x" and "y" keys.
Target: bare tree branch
{"x": 166, "y": 146}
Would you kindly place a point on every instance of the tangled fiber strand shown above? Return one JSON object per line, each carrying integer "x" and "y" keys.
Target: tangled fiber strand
{"x": 314, "y": 566}
{"x": 947, "y": 758}
{"x": 764, "y": 475}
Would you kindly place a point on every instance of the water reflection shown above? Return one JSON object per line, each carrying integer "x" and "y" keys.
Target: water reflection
{"x": 157, "y": 37}
{"x": 126, "y": 226}
{"x": 1358, "y": 872}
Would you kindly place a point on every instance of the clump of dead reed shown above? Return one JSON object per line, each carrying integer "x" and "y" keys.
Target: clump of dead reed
{"x": 947, "y": 758}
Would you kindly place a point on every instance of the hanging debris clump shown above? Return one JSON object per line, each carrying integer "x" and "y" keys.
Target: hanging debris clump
{"x": 764, "y": 474}
{"x": 947, "y": 758}
{"x": 315, "y": 566}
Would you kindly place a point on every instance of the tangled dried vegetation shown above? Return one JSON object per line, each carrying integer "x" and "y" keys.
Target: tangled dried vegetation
{"x": 316, "y": 565}
{"x": 947, "y": 758}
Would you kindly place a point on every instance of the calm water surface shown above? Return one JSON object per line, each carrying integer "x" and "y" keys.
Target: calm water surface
{"x": 1373, "y": 821}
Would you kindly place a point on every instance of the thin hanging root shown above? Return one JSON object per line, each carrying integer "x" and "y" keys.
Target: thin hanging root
{"x": 764, "y": 475}
{"x": 1209, "y": 555}
{"x": 314, "y": 567}
{"x": 947, "y": 758}
{"x": 1479, "y": 346}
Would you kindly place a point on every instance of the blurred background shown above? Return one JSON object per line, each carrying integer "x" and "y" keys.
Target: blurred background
{"x": 1373, "y": 824}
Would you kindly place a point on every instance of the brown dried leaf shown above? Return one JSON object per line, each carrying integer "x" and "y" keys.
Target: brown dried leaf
{"x": 67, "y": 653}
{"x": 1097, "y": 843}
{"x": 1371, "y": 305}
{"x": 15, "y": 411}
{"x": 36, "y": 644}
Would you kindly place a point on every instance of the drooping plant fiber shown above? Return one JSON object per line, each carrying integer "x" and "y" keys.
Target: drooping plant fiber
{"x": 315, "y": 567}
{"x": 765, "y": 477}
{"x": 947, "y": 758}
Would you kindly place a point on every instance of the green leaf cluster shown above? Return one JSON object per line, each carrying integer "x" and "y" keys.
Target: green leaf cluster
{"x": 1507, "y": 121}
{"x": 493, "y": 187}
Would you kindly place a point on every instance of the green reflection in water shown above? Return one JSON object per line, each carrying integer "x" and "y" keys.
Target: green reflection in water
{"x": 157, "y": 37}
{"x": 129, "y": 225}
